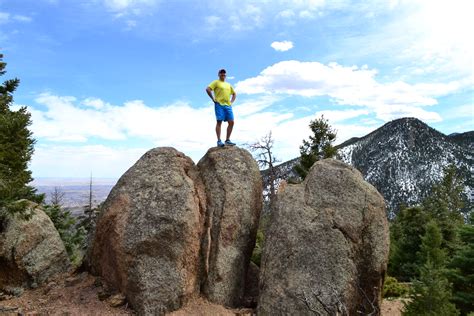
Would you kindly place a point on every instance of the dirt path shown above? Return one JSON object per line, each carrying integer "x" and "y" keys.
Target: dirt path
{"x": 65, "y": 295}
{"x": 79, "y": 295}
{"x": 392, "y": 307}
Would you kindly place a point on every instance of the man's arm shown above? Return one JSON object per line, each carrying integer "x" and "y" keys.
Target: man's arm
{"x": 209, "y": 93}
{"x": 234, "y": 95}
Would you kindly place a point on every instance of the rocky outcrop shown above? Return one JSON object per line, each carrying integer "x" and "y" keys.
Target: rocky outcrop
{"x": 326, "y": 247}
{"x": 168, "y": 224}
{"x": 234, "y": 202}
{"x": 148, "y": 236}
{"x": 31, "y": 251}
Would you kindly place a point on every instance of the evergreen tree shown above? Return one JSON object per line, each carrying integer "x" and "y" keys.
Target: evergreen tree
{"x": 461, "y": 273}
{"x": 431, "y": 294}
{"x": 406, "y": 232}
{"x": 16, "y": 149}
{"x": 72, "y": 235}
{"x": 445, "y": 204}
{"x": 319, "y": 145}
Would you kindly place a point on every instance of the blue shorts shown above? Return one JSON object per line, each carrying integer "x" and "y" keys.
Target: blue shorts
{"x": 223, "y": 112}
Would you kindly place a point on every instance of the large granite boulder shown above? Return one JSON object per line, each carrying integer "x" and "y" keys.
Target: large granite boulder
{"x": 147, "y": 241}
{"x": 31, "y": 251}
{"x": 170, "y": 229}
{"x": 326, "y": 247}
{"x": 234, "y": 202}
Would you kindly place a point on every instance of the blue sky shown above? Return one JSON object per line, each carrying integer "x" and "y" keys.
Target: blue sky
{"x": 106, "y": 80}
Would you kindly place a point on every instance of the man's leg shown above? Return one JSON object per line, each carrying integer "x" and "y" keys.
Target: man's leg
{"x": 229, "y": 129}
{"x": 218, "y": 129}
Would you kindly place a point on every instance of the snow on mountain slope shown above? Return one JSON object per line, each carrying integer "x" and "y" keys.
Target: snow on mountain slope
{"x": 403, "y": 159}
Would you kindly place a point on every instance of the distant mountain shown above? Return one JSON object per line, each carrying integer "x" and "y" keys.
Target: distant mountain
{"x": 464, "y": 139}
{"x": 403, "y": 159}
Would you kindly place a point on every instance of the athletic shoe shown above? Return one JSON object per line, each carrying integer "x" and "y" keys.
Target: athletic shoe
{"x": 229, "y": 143}
{"x": 220, "y": 143}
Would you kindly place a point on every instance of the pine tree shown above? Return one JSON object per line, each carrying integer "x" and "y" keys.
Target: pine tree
{"x": 406, "y": 233}
{"x": 319, "y": 145}
{"x": 445, "y": 204}
{"x": 16, "y": 149}
{"x": 71, "y": 234}
{"x": 461, "y": 272}
{"x": 431, "y": 294}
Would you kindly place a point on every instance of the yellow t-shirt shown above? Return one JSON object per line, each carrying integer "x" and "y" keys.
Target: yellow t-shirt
{"x": 222, "y": 91}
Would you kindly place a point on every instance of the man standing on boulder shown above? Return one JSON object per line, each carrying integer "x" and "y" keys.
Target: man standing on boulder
{"x": 222, "y": 105}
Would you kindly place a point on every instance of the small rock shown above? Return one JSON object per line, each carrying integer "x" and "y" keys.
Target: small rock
{"x": 72, "y": 281}
{"x": 103, "y": 295}
{"x": 33, "y": 313}
{"x": 117, "y": 300}
{"x": 4, "y": 296}
{"x": 34, "y": 285}
{"x": 15, "y": 291}
{"x": 42, "y": 301}
{"x": 98, "y": 282}
{"x": 244, "y": 312}
{"x": 6, "y": 308}
{"x": 49, "y": 287}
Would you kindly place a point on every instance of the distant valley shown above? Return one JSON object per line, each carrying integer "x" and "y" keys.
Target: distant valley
{"x": 76, "y": 191}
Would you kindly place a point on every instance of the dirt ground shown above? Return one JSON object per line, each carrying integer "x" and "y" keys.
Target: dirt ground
{"x": 78, "y": 294}
{"x": 392, "y": 307}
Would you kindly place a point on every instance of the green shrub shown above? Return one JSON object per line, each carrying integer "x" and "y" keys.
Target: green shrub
{"x": 257, "y": 251}
{"x": 393, "y": 288}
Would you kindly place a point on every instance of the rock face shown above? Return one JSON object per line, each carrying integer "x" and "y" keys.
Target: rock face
{"x": 234, "y": 202}
{"x": 326, "y": 246}
{"x": 168, "y": 223}
{"x": 148, "y": 236}
{"x": 31, "y": 251}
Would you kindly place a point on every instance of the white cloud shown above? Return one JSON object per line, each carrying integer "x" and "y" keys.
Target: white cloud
{"x": 6, "y": 17}
{"x": 212, "y": 22}
{"x": 342, "y": 115}
{"x": 247, "y": 17}
{"x": 286, "y": 14}
{"x": 306, "y": 14}
{"x": 93, "y": 102}
{"x": 282, "y": 46}
{"x": 349, "y": 86}
{"x": 81, "y": 161}
{"x": 122, "y": 5}
{"x": 190, "y": 130}
{"x": 22, "y": 18}
{"x": 67, "y": 119}
{"x": 421, "y": 37}
{"x": 123, "y": 9}
{"x": 130, "y": 24}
